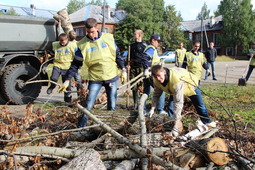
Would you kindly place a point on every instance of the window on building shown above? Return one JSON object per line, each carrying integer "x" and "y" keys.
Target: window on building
{"x": 198, "y": 37}
{"x": 79, "y": 32}
{"x": 216, "y": 39}
{"x": 106, "y": 30}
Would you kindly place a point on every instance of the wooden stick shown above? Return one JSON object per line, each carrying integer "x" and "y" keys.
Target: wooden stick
{"x": 137, "y": 148}
{"x": 131, "y": 81}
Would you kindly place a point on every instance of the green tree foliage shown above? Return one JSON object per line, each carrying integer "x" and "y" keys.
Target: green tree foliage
{"x": 239, "y": 23}
{"x": 171, "y": 33}
{"x": 205, "y": 11}
{"x": 145, "y": 15}
{"x": 96, "y": 2}
{"x": 74, "y": 5}
{"x": 12, "y": 11}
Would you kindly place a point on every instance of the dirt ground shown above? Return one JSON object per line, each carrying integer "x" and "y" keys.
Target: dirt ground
{"x": 226, "y": 72}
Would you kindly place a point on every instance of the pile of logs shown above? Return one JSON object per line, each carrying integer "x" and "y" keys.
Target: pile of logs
{"x": 114, "y": 149}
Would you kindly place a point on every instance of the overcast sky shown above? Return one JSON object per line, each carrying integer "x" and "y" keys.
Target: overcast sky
{"x": 188, "y": 8}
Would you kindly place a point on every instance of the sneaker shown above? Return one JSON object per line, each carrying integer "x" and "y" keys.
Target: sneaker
{"x": 49, "y": 90}
{"x": 214, "y": 79}
{"x": 163, "y": 112}
{"x": 211, "y": 125}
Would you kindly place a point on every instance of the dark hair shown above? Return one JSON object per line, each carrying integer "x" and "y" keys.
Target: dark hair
{"x": 195, "y": 42}
{"x": 155, "y": 69}
{"x": 90, "y": 23}
{"x": 62, "y": 35}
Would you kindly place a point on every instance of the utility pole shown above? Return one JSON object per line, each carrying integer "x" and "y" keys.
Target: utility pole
{"x": 103, "y": 23}
{"x": 202, "y": 17}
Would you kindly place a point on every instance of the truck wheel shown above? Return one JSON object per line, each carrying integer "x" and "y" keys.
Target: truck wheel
{"x": 3, "y": 100}
{"x": 12, "y": 84}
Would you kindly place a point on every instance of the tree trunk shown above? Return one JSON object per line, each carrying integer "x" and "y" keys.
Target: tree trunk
{"x": 212, "y": 148}
{"x": 88, "y": 159}
{"x": 126, "y": 165}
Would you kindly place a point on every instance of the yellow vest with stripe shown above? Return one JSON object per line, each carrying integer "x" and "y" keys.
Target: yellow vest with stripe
{"x": 177, "y": 75}
{"x": 99, "y": 57}
{"x": 195, "y": 63}
{"x": 63, "y": 54}
{"x": 252, "y": 62}
{"x": 155, "y": 57}
{"x": 180, "y": 54}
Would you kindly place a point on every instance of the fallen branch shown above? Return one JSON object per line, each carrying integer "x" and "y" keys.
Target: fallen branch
{"x": 50, "y": 134}
{"x": 118, "y": 154}
{"x": 142, "y": 122}
{"x": 137, "y": 148}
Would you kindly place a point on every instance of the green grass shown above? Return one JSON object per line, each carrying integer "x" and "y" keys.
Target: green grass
{"x": 231, "y": 101}
{"x": 224, "y": 58}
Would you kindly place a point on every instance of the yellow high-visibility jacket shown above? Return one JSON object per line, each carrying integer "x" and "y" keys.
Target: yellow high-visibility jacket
{"x": 63, "y": 54}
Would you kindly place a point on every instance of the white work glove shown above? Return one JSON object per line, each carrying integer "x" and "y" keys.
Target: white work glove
{"x": 64, "y": 86}
{"x": 151, "y": 112}
{"x": 147, "y": 73}
{"x": 123, "y": 76}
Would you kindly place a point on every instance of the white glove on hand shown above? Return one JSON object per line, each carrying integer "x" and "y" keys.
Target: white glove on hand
{"x": 64, "y": 86}
{"x": 147, "y": 73}
{"x": 123, "y": 76}
{"x": 151, "y": 112}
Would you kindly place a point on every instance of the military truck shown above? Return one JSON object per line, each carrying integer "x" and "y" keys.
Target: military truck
{"x": 23, "y": 45}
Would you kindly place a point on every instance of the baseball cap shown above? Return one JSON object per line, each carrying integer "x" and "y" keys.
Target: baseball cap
{"x": 156, "y": 37}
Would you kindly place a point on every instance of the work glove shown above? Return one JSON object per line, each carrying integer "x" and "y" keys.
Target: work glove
{"x": 147, "y": 73}
{"x": 151, "y": 112}
{"x": 64, "y": 86}
{"x": 123, "y": 76}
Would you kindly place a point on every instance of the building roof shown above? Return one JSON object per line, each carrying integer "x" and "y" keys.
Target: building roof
{"x": 94, "y": 11}
{"x": 212, "y": 24}
{"x": 27, "y": 11}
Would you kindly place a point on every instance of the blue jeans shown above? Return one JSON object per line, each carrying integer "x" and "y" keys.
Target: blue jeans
{"x": 77, "y": 77}
{"x": 111, "y": 92}
{"x": 213, "y": 69}
{"x": 251, "y": 67}
{"x": 197, "y": 102}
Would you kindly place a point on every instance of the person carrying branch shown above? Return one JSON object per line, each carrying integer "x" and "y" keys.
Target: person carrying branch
{"x": 64, "y": 51}
{"x": 97, "y": 52}
{"x": 178, "y": 82}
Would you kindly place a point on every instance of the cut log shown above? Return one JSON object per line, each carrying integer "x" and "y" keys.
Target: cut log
{"x": 126, "y": 165}
{"x": 88, "y": 159}
{"x": 212, "y": 148}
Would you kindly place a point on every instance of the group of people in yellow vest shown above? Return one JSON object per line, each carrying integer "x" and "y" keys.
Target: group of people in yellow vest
{"x": 98, "y": 56}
